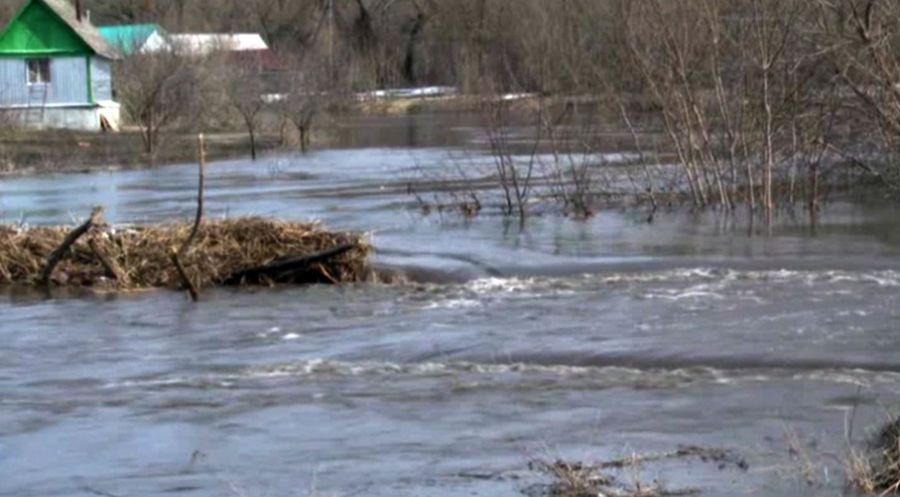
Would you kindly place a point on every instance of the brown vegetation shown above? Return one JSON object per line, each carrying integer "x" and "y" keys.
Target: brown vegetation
{"x": 877, "y": 471}
{"x": 131, "y": 258}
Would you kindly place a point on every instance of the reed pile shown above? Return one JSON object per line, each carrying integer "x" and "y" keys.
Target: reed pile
{"x": 222, "y": 252}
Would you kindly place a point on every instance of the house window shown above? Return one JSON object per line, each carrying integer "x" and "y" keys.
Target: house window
{"x": 38, "y": 71}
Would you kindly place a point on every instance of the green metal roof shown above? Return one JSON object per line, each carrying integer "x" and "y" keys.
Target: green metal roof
{"x": 50, "y": 27}
{"x": 128, "y": 37}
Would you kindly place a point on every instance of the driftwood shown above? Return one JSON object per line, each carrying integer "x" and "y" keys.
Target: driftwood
{"x": 279, "y": 269}
{"x": 67, "y": 243}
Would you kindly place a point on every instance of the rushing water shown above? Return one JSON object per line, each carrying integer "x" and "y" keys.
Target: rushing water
{"x": 579, "y": 340}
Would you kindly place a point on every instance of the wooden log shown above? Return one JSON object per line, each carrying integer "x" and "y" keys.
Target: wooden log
{"x": 68, "y": 241}
{"x": 280, "y": 268}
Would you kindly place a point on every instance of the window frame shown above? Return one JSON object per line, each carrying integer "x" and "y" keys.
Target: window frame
{"x": 43, "y": 74}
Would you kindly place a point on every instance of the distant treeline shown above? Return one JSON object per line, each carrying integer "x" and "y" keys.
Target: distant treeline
{"x": 392, "y": 43}
{"x": 759, "y": 100}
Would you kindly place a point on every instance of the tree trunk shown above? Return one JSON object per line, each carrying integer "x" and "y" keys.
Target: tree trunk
{"x": 304, "y": 139}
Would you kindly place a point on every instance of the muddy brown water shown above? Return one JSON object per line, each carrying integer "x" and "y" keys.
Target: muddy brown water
{"x": 565, "y": 339}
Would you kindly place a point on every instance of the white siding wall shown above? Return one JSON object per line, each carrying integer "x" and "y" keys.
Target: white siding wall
{"x": 68, "y": 83}
{"x": 13, "y": 82}
{"x": 101, "y": 73}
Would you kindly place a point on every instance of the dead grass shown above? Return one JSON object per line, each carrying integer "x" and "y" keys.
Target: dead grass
{"x": 876, "y": 471}
{"x": 140, "y": 256}
{"x": 802, "y": 464}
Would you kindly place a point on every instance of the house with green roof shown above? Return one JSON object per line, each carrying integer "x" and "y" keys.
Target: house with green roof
{"x": 135, "y": 38}
{"x": 56, "y": 69}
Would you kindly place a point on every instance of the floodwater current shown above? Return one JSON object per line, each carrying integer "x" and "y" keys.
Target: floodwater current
{"x": 562, "y": 339}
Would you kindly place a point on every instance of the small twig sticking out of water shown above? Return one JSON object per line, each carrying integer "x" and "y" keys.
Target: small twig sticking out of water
{"x": 176, "y": 256}
{"x": 201, "y": 156}
{"x": 850, "y": 421}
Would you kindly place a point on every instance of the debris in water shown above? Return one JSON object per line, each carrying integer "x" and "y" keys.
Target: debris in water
{"x": 237, "y": 251}
{"x": 577, "y": 479}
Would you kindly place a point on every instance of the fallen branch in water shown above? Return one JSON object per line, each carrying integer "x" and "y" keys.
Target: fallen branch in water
{"x": 279, "y": 269}
{"x": 67, "y": 243}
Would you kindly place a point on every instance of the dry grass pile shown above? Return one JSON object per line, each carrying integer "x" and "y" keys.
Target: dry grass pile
{"x": 140, "y": 257}
{"x": 877, "y": 472}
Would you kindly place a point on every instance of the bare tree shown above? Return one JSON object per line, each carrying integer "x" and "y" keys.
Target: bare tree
{"x": 155, "y": 91}
{"x": 308, "y": 93}
{"x": 245, "y": 91}
{"x": 860, "y": 40}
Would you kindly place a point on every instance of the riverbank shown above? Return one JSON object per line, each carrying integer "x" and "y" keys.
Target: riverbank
{"x": 26, "y": 152}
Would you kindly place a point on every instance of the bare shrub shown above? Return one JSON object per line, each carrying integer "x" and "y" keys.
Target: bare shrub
{"x": 244, "y": 89}
{"x": 156, "y": 90}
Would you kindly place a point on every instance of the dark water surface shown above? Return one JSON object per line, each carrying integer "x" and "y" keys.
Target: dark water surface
{"x": 582, "y": 340}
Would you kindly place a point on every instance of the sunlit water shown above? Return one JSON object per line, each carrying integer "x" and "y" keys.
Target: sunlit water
{"x": 583, "y": 340}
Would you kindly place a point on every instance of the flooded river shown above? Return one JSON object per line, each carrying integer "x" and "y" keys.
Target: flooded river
{"x": 563, "y": 339}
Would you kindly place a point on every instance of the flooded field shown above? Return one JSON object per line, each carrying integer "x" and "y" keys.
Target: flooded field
{"x": 581, "y": 340}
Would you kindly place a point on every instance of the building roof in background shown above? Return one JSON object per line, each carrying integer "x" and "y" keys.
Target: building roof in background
{"x": 128, "y": 38}
{"x": 85, "y": 30}
{"x": 202, "y": 44}
{"x": 48, "y": 27}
